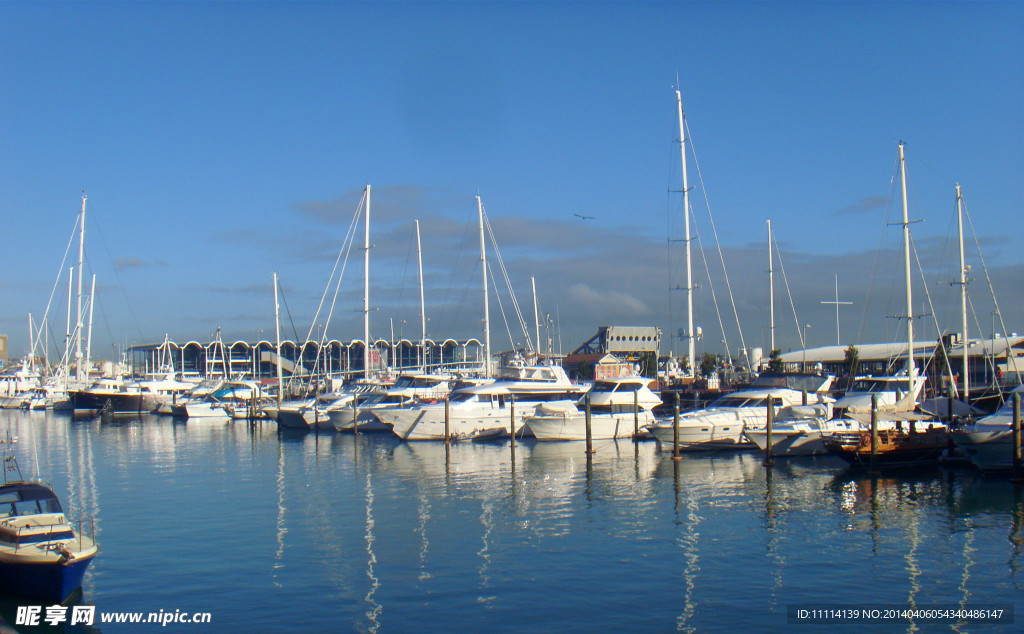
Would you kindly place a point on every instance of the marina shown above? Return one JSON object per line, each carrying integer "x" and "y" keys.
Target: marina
{"x": 266, "y": 528}
{"x": 284, "y": 371}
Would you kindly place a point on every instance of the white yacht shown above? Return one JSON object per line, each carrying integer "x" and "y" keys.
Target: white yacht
{"x": 485, "y": 411}
{"x": 49, "y": 395}
{"x": 891, "y": 394}
{"x": 15, "y": 386}
{"x": 221, "y": 402}
{"x": 721, "y": 424}
{"x": 409, "y": 390}
{"x": 612, "y": 403}
{"x": 989, "y": 442}
{"x": 199, "y": 393}
{"x": 313, "y": 412}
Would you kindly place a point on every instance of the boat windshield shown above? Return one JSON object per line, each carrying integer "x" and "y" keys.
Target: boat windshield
{"x": 610, "y": 386}
{"x": 874, "y": 385}
{"x": 27, "y": 499}
{"x": 793, "y": 381}
{"x": 739, "y": 401}
{"x": 743, "y": 402}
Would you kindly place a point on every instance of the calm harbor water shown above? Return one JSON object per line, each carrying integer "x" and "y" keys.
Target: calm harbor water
{"x": 272, "y": 531}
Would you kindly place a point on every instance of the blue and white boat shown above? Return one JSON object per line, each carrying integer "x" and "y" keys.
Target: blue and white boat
{"x": 42, "y": 554}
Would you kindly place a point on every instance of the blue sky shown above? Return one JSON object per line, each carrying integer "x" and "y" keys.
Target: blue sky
{"x": 219, "y": 142}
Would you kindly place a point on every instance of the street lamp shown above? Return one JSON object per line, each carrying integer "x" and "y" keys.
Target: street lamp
{"x": 803, "y": 343}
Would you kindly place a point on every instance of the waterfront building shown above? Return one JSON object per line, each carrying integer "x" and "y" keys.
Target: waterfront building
{"x": 333, "y": 358}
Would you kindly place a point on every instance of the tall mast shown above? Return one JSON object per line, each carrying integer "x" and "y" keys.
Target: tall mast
{"x": 277, "y": 330}
{"x": 771, "y": 293}
{"x": 423, "y": 306}
{"x": 536, "y": 319}
{"x": 32, "y": 345}
{"x": 81, "y": 256}
{"x": 65, "y": 364}
{"x": 690, "y": 341}
{"x": 88, "y": 341}
{"x": 366, "y": 289}
{"x": 487, "y": 316}
{"x": 963, "y": 295}
{"x": 911, "y": 368}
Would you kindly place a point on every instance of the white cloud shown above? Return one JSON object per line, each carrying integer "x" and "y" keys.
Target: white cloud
{"x": 604, "y": 300}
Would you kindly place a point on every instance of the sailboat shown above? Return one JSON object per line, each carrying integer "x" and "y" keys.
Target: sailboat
{"x": 904, "y": 445}
{"x": 314, "y": 410}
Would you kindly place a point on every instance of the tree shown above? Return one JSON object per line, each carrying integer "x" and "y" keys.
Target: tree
{"x": 851, "y": 361}
{"x": 775, "y": 361}
{"x": 708, "y": 363}
{"x": 649, "y": 364}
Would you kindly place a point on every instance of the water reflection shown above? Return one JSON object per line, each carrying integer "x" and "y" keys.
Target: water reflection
{"x": 373, "y": 612}
{"x": 282, "y": 529}
{"x": 687, "y": 506}
{"x": 389, "y": 534}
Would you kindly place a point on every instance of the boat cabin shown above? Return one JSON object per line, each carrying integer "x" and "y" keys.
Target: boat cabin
{"x": 26, "y": 498}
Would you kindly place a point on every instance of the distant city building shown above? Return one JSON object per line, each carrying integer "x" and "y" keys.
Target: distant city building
{"x": 3, "y": 349}
{"x": 635, "y": 345}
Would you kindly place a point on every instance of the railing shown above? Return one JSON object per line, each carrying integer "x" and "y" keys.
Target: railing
{"x": 48, "y": 536}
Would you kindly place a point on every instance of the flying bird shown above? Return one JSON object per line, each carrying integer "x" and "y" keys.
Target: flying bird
{"x": 582, "y": 217}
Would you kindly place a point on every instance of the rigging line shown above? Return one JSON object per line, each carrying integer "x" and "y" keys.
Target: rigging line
{"x": 346, "y": 249}
{"x": 60, "y": 274}
{"x": 789, "y": 293}
{"x": 444, "y": 318}
{"x": 405, "y": 271}
{"x": 341, "y": 275}
{"x": 353, "y": 224}
{"x": 508, "y": 284}
{"x": 287, "y": 310}
{"x": 714, "y": 299}
{"x": 935, "y": 320}
{"x": 721, "y": 256}
{"x": 995, "y": 302}
{"x": 989, "y": 360}
{"x": 501, "y": 306}
{"x": 875, "y": 263}
{"x": 117, "y": 274}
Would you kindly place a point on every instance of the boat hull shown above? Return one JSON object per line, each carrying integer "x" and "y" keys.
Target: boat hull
{"x": 202, "y": 409}
{"x": 343, "y": 420}
{"x": 295, "y": 418}
{"x": 114, "y": 403}
{"x": 989, "y": 450}
{"x": 574, "y": 426}
{"x": 921, "y": 449}
{"x": 428, "y": 423}
{"x": 791, "y": 443}
{"x": 724, "y": 433}
{"x": 48, "y": 581}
